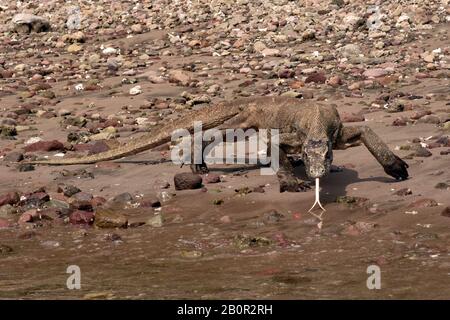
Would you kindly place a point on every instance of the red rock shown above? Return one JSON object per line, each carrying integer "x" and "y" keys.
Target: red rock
{"x": 29, "y": 216}
{"x": 296, "y": 84}
{"x": 334, "y": 81}
{"x": 375, "y": 73}
{"x": 98, "y": 201}
{"x": 286, "y": 73}
{"x": 9, "y": 198}
{"x": 45, "y": 146}
{"x": 81, "y": 217}
{"x": 419, "y": 114}
{"x": 211, "y": 178}
{"x": 82, "y": 147}
{"x": 225, "y": 219}
{"x": 98, "y": 147}
{"x": 316, "y": 77}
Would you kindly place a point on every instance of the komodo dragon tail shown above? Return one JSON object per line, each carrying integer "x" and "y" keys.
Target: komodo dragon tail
{"x": 210, "y": 118}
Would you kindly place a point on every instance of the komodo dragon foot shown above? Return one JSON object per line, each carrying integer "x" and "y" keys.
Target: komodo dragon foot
{"x": 199, "y": 168}
{"x": 397, "y": 169}
{"x": 293, "y": 184}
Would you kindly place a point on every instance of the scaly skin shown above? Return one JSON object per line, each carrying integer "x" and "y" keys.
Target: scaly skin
{"x": 309, "y": 128}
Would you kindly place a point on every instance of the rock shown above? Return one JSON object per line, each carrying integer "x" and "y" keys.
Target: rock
{"x": 400, "y": 122}
{"x": 8, "y": 131}
{"x": 352, "y": 201}
{"x": 68, "y": 190}
{"x": 82, "y": 196}
{"x": 81, "y": 217}
{"x": 273, "y": 216}
{"x": 25, "y": 167}
{"x": 109, "y": 51}
{"x": 105, "y": 218}
{"x": 97, "y": 201}
{"x": 245, "y": 241}
{"x": 135, "y": 90}
{"x": 316, "y": 77}
{"x": 184, "y": 181}
{"x": 191, "y": 254}
{"x": 180, "y": 77}
{"x": 353, "y": 118}
{"x": 350, "y": 50}
{"x": 396, "y": 107}
{"x": 26, "y": 23}
{"x": 113, "y": 64}
{"x": 150, "y": 202}
{"x": 375, "y": 73}
{"x": 161, "y": 184}
{"x": 442, "y": 186}
{"x": 123, "y": 198}
{"x": 29, "y": 216}
{"x": 7, "y": 210}
{"x": 358, "y": 228}
{"x": 73, "y": 21}
{"x": 218, "y": 202}
{"x": 4, "y": 249}
{"x": 74, "y": 48}
{"x": 287, "y": 73}
{"x": 11, "y": 198}
{"x": 156, "y": 221}
{"x": 98, "y": 147}
{"x": 136, "y": 28}
{"x": 211, "y": 178}
{"x": 429, "y": 119}
{"x": 446, "y": 212}
{"x": 268, "y": 52}
{"x": 258, "y": 46}
{"x": 54, "y": 145}
{"x": 334, "y": 81}
{"x": 420, "y": 151}
{"x": 64, "y": 112}
{"x": 225, "y": 219}
{"x": 423, "y": 203}
{"x": 403, "y": 192}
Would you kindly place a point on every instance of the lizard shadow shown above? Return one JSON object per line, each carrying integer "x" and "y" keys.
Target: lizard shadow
{"x": 334, "y": 185}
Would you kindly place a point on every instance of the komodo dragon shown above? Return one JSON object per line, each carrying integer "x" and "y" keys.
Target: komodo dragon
{"x": 307, "y": 128}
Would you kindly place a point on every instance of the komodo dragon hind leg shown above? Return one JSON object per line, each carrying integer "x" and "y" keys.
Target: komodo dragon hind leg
{"x": 392, "y": 164}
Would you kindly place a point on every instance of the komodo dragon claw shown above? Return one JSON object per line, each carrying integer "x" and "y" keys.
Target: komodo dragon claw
{"x": 397, "y": 169}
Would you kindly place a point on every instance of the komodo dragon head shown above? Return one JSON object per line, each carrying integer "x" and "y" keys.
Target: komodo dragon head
{"x": 317, "y": 157}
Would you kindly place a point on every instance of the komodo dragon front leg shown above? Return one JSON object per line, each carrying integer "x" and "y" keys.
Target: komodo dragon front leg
{"x": 392, "y": 164}
{"x": 285, "y": 174}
